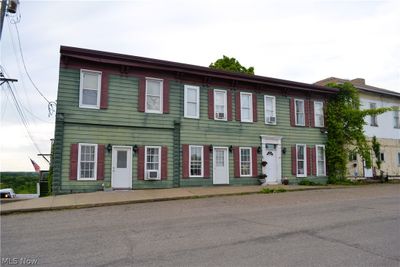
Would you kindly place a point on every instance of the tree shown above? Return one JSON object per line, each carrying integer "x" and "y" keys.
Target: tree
{"x": 231, "y": 64}
{"x": 376, "y": 147}
{"x": 345, "y": 123}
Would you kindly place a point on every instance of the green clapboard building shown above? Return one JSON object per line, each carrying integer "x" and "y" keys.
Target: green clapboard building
{"x": 127, "y": 122}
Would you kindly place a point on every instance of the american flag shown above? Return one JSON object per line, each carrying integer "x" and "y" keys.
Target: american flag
{"x": 36, "y": 166}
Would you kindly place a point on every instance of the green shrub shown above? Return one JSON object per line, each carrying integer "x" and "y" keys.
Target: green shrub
{"x": 308, "y": 182}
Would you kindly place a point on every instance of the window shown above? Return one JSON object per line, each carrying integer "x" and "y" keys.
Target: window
{"x": 220, "y": 105}
{"x": 90, "y": 84}
{"x": 153, "y": 162}
{"x": 87, "y": 162}
{"x": 270, "y": 109}
{"x": 382, "y": 156}
{"x": 320, "y": 150}
{"x": 352, "y": 156}
{"x": 245, "y": 161}
{"x": 398, "y": 158}
{"x": 299, "y": 112}
{"x": 374, "y": 119}
{"x": 319, "y": 113}
{"x": 301, "y": 160}
{"x": 246, "y": 107}
{"x": 154, "y": 95}
{"x": 396, "y": 117}
{"x": 192, "y": 102}
{"x": 196, "y": 161}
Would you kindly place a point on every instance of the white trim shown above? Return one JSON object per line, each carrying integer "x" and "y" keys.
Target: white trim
{"x": 202, "y": 160}
{"x": 305, "y": 161}
{"x": 273, "y": 109}
{"x": 159, "y": 162}
{"x": 99, "y": 77}
{"x": 240, "y": 161}
{"x": 129, "y": 163}
{"x": 295, "y": 112}
{"x": 78, "y": 177}
{"x": 315, "y": 114}
{"x": 197, "y": 88}
{"x": 225, "y": 104}
{"x": 161, "y": 95}
{"x": 250, "y": 95}
{"x": 316, "y": 160}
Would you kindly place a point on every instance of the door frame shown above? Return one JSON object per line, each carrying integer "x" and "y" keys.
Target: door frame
{"x": 227, "y": 163}
{"x": 276, "y": 140}
{"x": 129, "y": 166}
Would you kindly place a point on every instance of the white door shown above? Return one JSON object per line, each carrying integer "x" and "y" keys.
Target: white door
{"x": 220, "y": 165}
{"x": 368, "y": 173}
{"x": 272, "y": 168}
{"x": 121, "y": 171}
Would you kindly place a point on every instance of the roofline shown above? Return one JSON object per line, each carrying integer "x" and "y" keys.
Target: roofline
{"x": 151, "y": 63}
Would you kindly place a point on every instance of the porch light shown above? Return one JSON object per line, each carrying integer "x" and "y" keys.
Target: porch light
{"x": 230, "y": 148}
{"x": 259, "y": 150}
{"x": 135, "y": 148}
{"x": 109, "y": 147}
{"x": 210, "y": 148}
{"x": 284, "y": 150}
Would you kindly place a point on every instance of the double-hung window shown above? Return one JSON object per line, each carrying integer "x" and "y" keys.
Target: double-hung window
{"x": 154, "y": 95}
{"x": 220, "y": 106}
{"x": 196, "y": 161}
{"x": 192, "y": 102}
{"x": 87, "y": 162}
{"x": 90, "y": 86}
{"x": 319, "y": 113}
{"x": 153, "y": 162}
{"x": 398, "y": 159}
{"x": 270, "y": 109}
{"x": 320, "y": 151}
{"x": 245, "y": 161}
{"x": 299, "y": 112}
{"x": 301, "y": 156}
{"x": 396, "y": 117}
{"x": 246, "y": 107}
{"x": 374, "y": 118}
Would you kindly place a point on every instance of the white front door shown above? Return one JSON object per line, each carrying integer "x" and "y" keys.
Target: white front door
{"x": 121, "y": 171}
{"x": 272, "y": 167}
{"x": 220, "y": 165}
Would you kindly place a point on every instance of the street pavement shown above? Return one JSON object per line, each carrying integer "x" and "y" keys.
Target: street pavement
{"x": 355, "y": 226}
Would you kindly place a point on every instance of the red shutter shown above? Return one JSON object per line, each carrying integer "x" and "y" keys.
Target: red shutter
{"x": 236, "y": 161}
{"x": 211, "y": 104}
{"x": 104, "y": 91}
{"x": 312, "y": 118}
{"x": 142, "y": 95}
{"x": 255, "y": 162}
{"x": 237, "y": 106}
{"x": 73, "y": 169}
{"x": 100, "y": 162}
{"x": 309, "y": 161}
{"x": 294, "y": 163}
{"x": 292, "y": 113}
{"x": 166, "y": 96}
{"x": 185, "y": 161}
{"x": 229, "y": 105}
{"x": 314, "y": 161}
{"x": 206, "y": 161}
{"x": 164, "y": 162}
{"x": 307, "y": 112}
{"x": 140, "y": 152}
{"x": 254, "y": 107}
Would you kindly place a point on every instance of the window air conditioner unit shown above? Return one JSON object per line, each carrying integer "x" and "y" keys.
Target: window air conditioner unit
{"x": 271, "y": 119}
{"x": 220, "y": 115}
{"x": 152, "y": 175}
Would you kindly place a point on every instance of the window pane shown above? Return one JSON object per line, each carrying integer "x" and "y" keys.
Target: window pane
{"x": 122, "y": 159}
{"x": 191, "y": 109}
{"x": 219, "y": 98}
{"x": 245, "y": 161}
{"x": 90, "y": 80}
{"x": 152, "y": 158}
{"x": 245, "y": 114}
{"x": 153, "y": 87}
{"x": 300, "y": 152}
{"x": 245, "y": 101}
{"x": 321, "y": 153}
{"x": 89, "y": 97}
{"x": 153, "y": 102}
{"x": 219, "y": 158}
{"x": 195, "y": 161}
{"x": 321, "y": 168}
{"x": 300, "y": 167}
{"x": 191, "y": 95}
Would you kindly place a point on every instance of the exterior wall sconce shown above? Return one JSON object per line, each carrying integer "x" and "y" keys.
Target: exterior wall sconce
{"x": 259, "y": 150}
{"x": 210, "y": 148}
{"x": 109, "y": 148}
{"x": 135, "y": 148}
{"x": 230, "y": 148}
{"x": 284, "y": 150}
{"x": 323, "y": 130}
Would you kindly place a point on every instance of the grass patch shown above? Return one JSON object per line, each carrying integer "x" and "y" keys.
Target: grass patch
{"x": 273, "y": 190}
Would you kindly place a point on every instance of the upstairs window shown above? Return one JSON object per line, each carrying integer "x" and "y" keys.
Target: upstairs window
{"x": 90, "y": 86}
{"x": 270, "y": 109}
{"x": 301, "y": 161}
{"x": 196, "y": 161}
{"x": 396, "y": 117}
{"x": 246, "y": 107}
{"x": 220, "y": 105}
{"x": 154, "y": 93}
{"x": 87, "y": 162}
{"x": 319, "y": 113}
{"x": 299, "y": 112}
{"x": 192, "y": 102}
{"x": 374, "y": 119}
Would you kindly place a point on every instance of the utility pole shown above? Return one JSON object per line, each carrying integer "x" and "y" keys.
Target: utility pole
{"x": 9, "y": 6}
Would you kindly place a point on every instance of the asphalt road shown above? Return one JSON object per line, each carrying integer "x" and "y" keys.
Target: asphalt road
{"x": 342, "y": 227}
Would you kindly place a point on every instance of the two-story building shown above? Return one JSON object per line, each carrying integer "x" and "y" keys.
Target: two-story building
{"x": 132, "y": 122}
{"x": 385, "y": 127}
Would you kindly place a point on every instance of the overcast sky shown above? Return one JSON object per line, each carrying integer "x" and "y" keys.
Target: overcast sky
{"x": 302, "y": 41}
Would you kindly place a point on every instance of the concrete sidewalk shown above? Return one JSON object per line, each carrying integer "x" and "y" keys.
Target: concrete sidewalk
{"x": 96, "y": 199}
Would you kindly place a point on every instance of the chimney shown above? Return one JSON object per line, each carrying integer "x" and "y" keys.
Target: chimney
{"x": 358, "y": 81}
